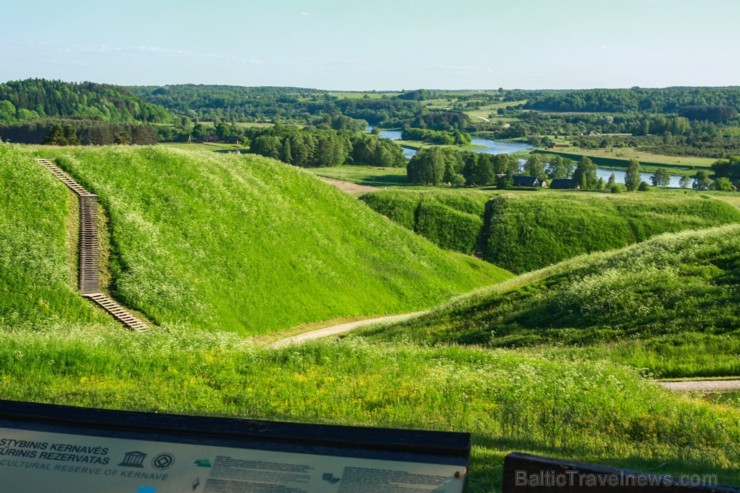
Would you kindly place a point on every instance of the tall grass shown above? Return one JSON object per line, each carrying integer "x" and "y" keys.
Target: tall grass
{"x": 250, "y": 245}
{"x": 649, "y": 296}
{"x": 592, "y": 411}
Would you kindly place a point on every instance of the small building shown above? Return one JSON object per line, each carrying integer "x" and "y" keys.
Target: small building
{"x": 528, "y": 181}
{"x": 565, "y": 184}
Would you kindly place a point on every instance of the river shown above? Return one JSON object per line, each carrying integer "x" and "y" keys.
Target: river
{"x": 498, "y": 147}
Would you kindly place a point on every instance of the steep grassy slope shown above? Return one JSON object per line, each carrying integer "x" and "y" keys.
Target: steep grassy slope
{"x": 250, "y": 245}
{"x": 532, "y": 230}
{"x": 452, "y": 220}
{"x": 598, "y": 412}
{"x": 679, "y": 292}
{"x": 36, "y": 290}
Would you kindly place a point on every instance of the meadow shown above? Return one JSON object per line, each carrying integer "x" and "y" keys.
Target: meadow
{"x": 580, "y": 410}
{"x": 649, "y": 162}
{"x": 371, "y": 176}
{"x": 241, "y": 243}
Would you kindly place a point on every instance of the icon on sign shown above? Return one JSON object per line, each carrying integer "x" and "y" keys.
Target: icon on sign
{"x": 203, "y": 463}
{"x": 163, "y": 461}
{"x": 133, "y": 459}
{"x": 330, "y": 478}
{"x": 146, "y": 489}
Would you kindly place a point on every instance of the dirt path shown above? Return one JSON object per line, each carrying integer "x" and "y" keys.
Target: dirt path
{"x": 341, "y": 329}
{"x": 349, "y": 187}
{"x": 702, "y": 385}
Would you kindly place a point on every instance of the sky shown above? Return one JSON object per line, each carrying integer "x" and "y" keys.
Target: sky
{"x": 375, "y": 45}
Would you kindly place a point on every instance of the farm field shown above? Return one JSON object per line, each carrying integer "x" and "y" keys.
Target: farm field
{"x": 626, "y": 153}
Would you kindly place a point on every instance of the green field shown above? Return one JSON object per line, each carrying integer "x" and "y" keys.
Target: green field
{"x": 668, "y": 305}
{"x": 245, "y": 244}
{"x": 371, "y": 176}
{"x": 530, "y": 230}
{"x": 619, "y": 158}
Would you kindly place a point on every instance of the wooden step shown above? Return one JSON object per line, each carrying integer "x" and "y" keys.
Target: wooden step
{"x": 117, "y": 311}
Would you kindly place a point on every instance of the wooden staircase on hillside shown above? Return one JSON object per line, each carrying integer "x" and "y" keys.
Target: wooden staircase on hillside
{"x": 89, "y": 250}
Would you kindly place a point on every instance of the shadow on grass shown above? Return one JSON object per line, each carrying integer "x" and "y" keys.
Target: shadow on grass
{"x": 385, "y": 180}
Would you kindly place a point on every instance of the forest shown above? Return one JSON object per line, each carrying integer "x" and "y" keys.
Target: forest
{"x": 679, "y": 121}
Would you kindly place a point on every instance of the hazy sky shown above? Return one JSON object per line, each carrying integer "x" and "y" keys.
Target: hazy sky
{"x": 377, "y": 44}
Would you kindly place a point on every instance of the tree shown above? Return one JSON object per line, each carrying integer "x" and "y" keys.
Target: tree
{"x": 56, "y": 136}
{"x": 632, "y": 177}
{"x": 684, "y": 181}
{"x": 661, "y": 178}
{"x": 702, "y": 181}
{"x": 559, "y": 168}
{"x": 612, "y": 181}
{"x": 534, "y": 166}
{"x": 724, "y": 185}
{"x": 506, "y": 181}
{"x": 428, "y": 167}
{"x": 729, "y": 168}
{"x": 585, "y": 174}
{"x": 70, "y": 136}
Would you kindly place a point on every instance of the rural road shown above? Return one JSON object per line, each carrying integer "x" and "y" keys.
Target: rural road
{"x": 341, "y": 329}
{"x": 702, "y": 385}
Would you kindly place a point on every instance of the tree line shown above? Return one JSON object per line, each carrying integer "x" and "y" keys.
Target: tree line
{"x": 439, "y": 137}
{"x": 74, "y": 132}
{"x": 315, "y": 147}
{"x": 33, "y": 99}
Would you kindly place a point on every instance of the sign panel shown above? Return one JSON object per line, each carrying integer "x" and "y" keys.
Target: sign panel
{"x": 175, "y": 454}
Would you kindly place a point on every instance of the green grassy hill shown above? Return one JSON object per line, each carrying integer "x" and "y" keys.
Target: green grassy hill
{"x": 670, "y": 304}
{"x": 532, "y": 230}
{"x": 245, "y": 244}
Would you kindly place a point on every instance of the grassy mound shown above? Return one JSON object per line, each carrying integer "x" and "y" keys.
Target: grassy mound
{"x": 250, "y": 245}
{"x": 532, "y": 230}
{"x": 36, "y": 288}
{"x": 680, "y": 292}
{"x": 452, "y": 220}
{"x": 598, "y": 412}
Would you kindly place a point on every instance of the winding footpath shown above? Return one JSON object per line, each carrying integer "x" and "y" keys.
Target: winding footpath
{"x": 341, "y": 329}
{"x": 702, "y": 385}
{"x": 89, "y": 250}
